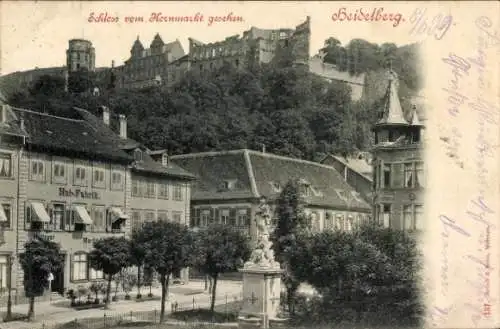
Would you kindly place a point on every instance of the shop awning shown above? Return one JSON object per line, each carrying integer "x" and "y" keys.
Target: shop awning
{"x": 3, "y": 217}
{"x": 83, "y": 216}
{"x": 117, "y": 215}
{"x": 40, "y": 212}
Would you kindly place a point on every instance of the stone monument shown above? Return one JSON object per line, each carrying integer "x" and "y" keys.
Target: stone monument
{"x": 261, "y": 277}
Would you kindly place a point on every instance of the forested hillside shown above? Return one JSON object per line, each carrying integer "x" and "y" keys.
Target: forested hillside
{"x": 289, "y": 110}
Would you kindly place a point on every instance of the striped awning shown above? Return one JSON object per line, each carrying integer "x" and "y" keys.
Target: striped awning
{"x": 83, "y": 216}
{"x": 117, "y": 214}
{"x": 40, "y": 212}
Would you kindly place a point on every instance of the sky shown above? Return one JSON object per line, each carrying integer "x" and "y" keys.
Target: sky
{"x": 36, "y": 34}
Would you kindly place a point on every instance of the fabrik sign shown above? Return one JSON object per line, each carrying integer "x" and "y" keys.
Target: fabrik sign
{"x": 77, "y": 193}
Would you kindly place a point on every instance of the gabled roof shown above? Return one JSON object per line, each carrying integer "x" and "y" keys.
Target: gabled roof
{"x": 49, "y": 132}
{"x": 392, "y": 111}
{"x": 257, "y": 173}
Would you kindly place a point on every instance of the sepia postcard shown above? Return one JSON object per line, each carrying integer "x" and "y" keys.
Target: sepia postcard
{"x": 267, "y": 164}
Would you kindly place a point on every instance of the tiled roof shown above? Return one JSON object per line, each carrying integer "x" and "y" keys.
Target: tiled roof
{"x": 323, "y": 179}
{"x": 68, "y": 135}
{"x": 361, "y": 166}
{"x": 256, "y": 172}
{"x": 148, "y": 165}
{"x": 212, "y": 169}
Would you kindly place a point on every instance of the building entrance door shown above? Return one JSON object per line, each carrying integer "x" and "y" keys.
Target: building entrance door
{"x": 58, "y": 281}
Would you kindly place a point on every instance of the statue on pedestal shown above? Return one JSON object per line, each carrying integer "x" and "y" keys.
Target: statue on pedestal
{"x": 263, "y": 255}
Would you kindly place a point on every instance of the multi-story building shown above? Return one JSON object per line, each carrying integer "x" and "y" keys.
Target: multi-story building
{"x": 80, "y": 55}
{"x": 75, "y": 181}
{"x": 149, "y": 66}
{"x": 398, "y": 164}
{"x": 231, "y": 183}
{"x": 255, "y": 46}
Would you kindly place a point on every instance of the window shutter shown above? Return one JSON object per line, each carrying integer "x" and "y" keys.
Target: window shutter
{"x": 232, "y": 216}
{"x": 248, "y": 219}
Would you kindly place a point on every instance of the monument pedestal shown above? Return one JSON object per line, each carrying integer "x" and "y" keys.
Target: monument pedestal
{"x": 261, "y": 296}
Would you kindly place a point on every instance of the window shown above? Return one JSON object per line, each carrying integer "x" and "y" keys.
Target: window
{"x": 419, "y": 217}
{"x": 224, "y": 217}
{"x": 5, "y": 215}
{"x": 339, "y": 222}
{"x": 163, "y": 190}
{"x": 79, "y": 267}
{"x": 150, "y": 189}
{"x": 177, "y": 193}
{"x": 135, "y": 188}
{"x": 419, "y": 174}
{"x": 243, "y": 218}
{"x": 135, "y": 223}
{"x": 5, "y": 165}
{"x": 116, "y": 180}
{"x": 408, "y": 172}
{"x": 276, "y": 187}
{"x": 99, "y": 219}
{"x": 349, "y": 224}
{"x": 387, "y": 175}
{"x": 162, "y": 216}
{"x": 138, "y": 155}
{"x": 98, "y": 179}
{"x": 407, "y": 218}
{"x": 59, "y": 173}
{"x": 205, "y": 218}
{"x": 80, "y": 176}
{"x": 37, "y": 170}
{"x": 315, "y": 222}
{"x": 177, "y": 217}
{"x": 150, "y": 216}
{"x": 329, "y": 223}
{"x": 385, "y": 217}
{"x": 4, "y": 274}
{"x": 96, "y": 275}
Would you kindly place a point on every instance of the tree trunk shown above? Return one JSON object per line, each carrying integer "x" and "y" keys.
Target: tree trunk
{"x": 108, "y": 291}
{"x": 31, "y": 310}
{"x": 206, "y": 282}
{"x": 138, "y": 280}
{"x": 214, "y": 287}
{"x": 164, "y": 291}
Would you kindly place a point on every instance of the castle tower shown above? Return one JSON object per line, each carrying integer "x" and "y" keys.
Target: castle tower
{"x": 398, "y": 167}
{"x": 137, "y": 48}
{"x": 80, "y": 55}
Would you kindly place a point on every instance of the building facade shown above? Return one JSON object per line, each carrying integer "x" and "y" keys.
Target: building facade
{"x": 231, "y": 183}
{"x": 149, "y": 66}
{"x": 72, "y": 181}
{"x": 256, "y": 46}
{"x": 398, "y": 164}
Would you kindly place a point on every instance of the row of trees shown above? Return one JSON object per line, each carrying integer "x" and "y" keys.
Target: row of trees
{"x": 359, "y": 274}
{"x": 163, "y": 247}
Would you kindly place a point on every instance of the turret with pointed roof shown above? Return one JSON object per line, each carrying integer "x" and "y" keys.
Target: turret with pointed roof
{"x": 157, "y": 42}
{"x": 137, "y": 48}
{"x": 393, "y": 129}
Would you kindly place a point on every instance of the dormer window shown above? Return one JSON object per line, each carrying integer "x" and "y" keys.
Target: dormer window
{"x": 276, "y": 187}
{"x": 229, "y": 184}
{"x": 342, "y": 195}
{"x": 164, "y": 160}
{"x": 138, "y": 155}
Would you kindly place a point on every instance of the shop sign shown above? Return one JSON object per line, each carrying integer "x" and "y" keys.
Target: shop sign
{"x": 78, "y": 193}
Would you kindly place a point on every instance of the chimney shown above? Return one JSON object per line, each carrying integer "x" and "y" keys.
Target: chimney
{"x": 123, "y": 126}
{"x": 105, "y": 115}
{"x": 113, "y": 63}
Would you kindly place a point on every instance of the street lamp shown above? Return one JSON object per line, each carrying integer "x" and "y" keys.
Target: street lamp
{"x": 8, "y": 316}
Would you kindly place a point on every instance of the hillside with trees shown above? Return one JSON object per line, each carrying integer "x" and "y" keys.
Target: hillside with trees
{"x": 289, "y": 110}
